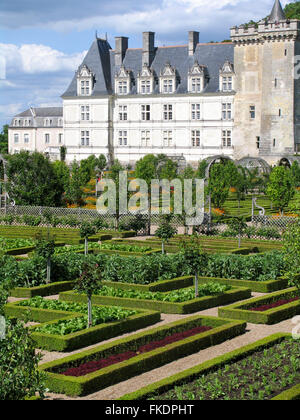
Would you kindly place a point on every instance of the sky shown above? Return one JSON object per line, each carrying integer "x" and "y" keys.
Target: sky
{"x": 42, "y": 43}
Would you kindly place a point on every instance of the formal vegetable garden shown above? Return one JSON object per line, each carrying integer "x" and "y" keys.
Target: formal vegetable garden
{"x": 123, "y": 286}
{"x": 64, "y": 325}
{"x": 261, "y": 371}
{"x": 136, "y": 354}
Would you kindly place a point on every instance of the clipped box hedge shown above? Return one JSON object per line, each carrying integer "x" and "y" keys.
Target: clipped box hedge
{"x": 44, "y": 290}
{"x": 271, "y": 316}
{"x": 194, "y": 305}
{"x": 159, "y": 286}
{"x": 188, "y": 281}
{"x": 80, "y": 386}
{"x": 256, "y": 286}
{"x": 191, "y": 374}
{"x": 80, "y": 339}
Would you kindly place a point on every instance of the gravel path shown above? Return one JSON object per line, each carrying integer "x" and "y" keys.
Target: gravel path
{"x": 253, "y": 333}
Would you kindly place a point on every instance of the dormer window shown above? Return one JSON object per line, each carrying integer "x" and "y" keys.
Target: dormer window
{"x": 197, "y": 78}
{"x": 85, "y": 81}
{"x": 145, "y": 81}
{"x": 122, "y": 88}
{"x": 123, "y": 81}
{"x": 47, "y": 122}
{"x": 168, "y": 79}
{"x": 227, "y": 77}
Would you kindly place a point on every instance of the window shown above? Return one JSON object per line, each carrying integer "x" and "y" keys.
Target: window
{"x": 47, "y": 138}
{"x": 196, "y": 112}
{"x": 60, "y": 122}
{"x": 226, "y": 138}
{"x": 122, "y": 87}
{"x": 26, "y": 138}
{"x": 27, "y": 123}
{"x": 85, "y": 138}
{"x": 123, "y": 112}
{"x": 85, "y": 87}
{"x": 60, "y": 138}
{"x": 16, "y": 138}
{"x": 123, "y": 139}
{"x": 257, "y": 142}
{"x": 196, "y": 84}
{"x": 145, "y": 139}
{"x": 252, "y": 112}
{"x": 274, "y": 142}
{"x": 226, "y": 112}
{"x": 47, "y": 122}
{"x": 196, "y": 138}
{"x": 227, "y": 84}
{"x": 167, "y": 86}
{"x": 168, "y": 112}
{"x": 167, "y": 139}
{"x": 85, "y": 113}
{"x": 145, "y": 86}
{"x": 279, "y": 113}
{"x": 146, "y": 112}
{"x": 16, "y": 123}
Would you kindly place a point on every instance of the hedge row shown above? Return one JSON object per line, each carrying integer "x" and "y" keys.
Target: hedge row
{"x": 80, "y": 386}
{"x": 269, "y": 317}
{"x": 291, "y": 394}
{"x": 202, "y": 369}
{"x": 44, "y": 290}
{"x": 80, "y": 339}
{"x": 195, "y": 305}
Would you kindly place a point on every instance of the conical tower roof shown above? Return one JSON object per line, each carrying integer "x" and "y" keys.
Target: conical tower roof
{"x": 277, "y": 13}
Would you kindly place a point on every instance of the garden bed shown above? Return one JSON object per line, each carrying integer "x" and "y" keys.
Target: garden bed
{"x": 247, "y": 310}
{"x": 221, "y": 331}
{"x": 267, "y": 369}
{"x": 65, "y": 329}
{"x": 167, "y": 301}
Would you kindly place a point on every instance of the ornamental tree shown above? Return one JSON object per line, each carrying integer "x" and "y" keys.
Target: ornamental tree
{"x": 165, "y": 231}
{"x": 238, "y": 226}
{"x": 194, "y": 258}
{"x": 89, "y": 282}
{"x": 87, "y": 230}
{"x": 45, "y": 248}
{"x": 281, "y": 188}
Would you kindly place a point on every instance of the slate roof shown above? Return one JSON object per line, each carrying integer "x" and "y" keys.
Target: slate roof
{"x": 55, "y": 113}
{"x": 100, "y": 60}
{"x": 43, "y": 112}
{"x": 277, "y": 13}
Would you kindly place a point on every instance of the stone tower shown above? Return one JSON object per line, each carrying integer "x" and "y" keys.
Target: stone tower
{"x": 267, "y": 103}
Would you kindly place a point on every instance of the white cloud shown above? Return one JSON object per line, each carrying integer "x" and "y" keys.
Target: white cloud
{"x": 10, "y": 110}
{"x": 33, "y": 58}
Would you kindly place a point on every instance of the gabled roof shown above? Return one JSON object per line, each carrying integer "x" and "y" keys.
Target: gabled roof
{"x": 101, "y": 61}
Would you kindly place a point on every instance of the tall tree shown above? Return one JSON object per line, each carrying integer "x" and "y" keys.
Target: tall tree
{"x": 32, "y": 180}
{"x": 73, "y": 191}
{"x": 281, "y": 188}
{"x": 4, "y": 140}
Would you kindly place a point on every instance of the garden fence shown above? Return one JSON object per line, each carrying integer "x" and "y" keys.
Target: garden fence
{"x": 258, "y": 225}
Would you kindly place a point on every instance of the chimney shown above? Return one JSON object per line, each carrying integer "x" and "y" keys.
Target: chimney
{"x": 193, "y": 41}
{"x": 148, "y": 48}
{"x": 120, "y": 49}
